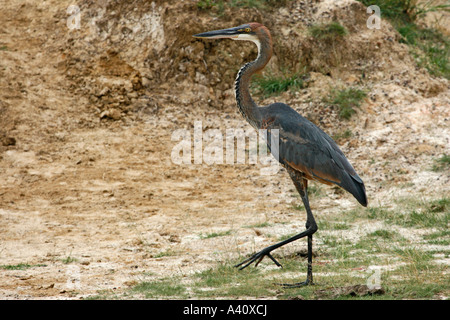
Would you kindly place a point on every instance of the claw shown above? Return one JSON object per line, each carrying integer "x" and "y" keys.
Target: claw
{"x": 275, "y": 261}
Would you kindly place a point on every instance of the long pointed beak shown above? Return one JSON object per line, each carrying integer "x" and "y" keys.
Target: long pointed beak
{"x": 220, "y": 34}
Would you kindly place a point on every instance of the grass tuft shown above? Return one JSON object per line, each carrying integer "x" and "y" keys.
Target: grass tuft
{"x": 346, "y": 100}
{"x": 20, "y": 266}
{"x": 215, "y": 234}
{"x": 159, "y": 289}
{"x": 441, "y": 164}
{"x": 329, "y": 31}
{"x": 270, "y": 85}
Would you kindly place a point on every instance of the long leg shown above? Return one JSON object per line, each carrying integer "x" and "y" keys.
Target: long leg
{"x": 301, "y": 184}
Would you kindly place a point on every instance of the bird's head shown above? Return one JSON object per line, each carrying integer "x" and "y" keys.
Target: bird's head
{"x": 253, "y": 31}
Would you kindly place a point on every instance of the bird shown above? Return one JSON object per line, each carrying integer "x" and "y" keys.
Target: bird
{"x": 303, "y": 149}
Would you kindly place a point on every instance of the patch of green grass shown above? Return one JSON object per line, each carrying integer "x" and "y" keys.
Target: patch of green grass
{"x": 439, "y": 205}
{"x": 21, "y": 266}
{"x": 346, "y": 100}
{"x": 69, "y": 259}
{"x": 269, "y": 85}
{"x": 3, "y": 48}
{"x": 324, "y": 224}
{"x": 432, "y": 214}
{"x": 346, "y": 134}
{"x": 425, "y": 214}
{"x": 314, "y": 190}
{"x": 340, "y": 226}
{"x": 215, "y": 234}
{"x": 410, "y": 213}
{"x": 426, "y": 219}
{"x": 160, "y": 288}
{"x": 329, "y": 31}
{"x": 206, "y": 4}
{"x": 258, "y": 4}
{"x": 429, "y": 47}
{"x": 166, "y": 253}
{"x": 334, "y": 241}
{"x": 383, "y": 234}
{"x": 417, "y": 261}
{"x": 413, "y": 289}
{"x": 443, "y": 235}
{"x": 298, "y": 207}
{"x": 442, "y": 163}
{"x": 227, "y": 281}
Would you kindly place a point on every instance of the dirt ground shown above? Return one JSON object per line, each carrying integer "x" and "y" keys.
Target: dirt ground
{"x": 87, "y": 116}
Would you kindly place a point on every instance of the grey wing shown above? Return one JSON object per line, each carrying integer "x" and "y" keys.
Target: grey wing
{"x": 306, "y": 148}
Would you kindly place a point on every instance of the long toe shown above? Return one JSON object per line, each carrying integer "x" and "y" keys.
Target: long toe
{"x": 257, "y": 258}
{"x": 296, "y": 285}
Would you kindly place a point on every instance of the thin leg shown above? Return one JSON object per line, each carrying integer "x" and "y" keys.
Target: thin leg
{"x": 301, "y": 184}
{"x": 309, "y": 275}
{"x": 310, "y": 223}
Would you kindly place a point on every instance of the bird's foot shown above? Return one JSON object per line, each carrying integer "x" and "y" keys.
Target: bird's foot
{"x": 296, "y": 285}
{"x": 257, "y": 257}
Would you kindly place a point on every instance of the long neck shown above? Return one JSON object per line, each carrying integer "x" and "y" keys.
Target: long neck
{"x": 247, "y": 107}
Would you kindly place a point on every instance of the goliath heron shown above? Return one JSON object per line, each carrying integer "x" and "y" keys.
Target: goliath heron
{"x": 304, "y": 150}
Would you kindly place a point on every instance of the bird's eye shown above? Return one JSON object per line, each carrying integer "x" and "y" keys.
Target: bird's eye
{"x": 247, "y": 29}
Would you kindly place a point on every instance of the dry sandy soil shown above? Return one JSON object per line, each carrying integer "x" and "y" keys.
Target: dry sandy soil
{"x": 87, "y": 116}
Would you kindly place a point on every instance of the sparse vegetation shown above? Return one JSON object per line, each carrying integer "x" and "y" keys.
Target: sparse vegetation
{"x": 407, "y": 268}
{"x": 346, "y": 100}
{"x": 269, "y": 85}
{"x": 160, "y": 288}
{"x": 434, "y": 214}
{"x": 328, "y": 31}
{"x": 221, "y": 4}
{"x": 259, "y": 4}
{"x": 166, "y": 253}
{"x": 442, "y": 163}
{"x": 215, "y": 234}
{"x": 69, "y": 259}
{"x": 20, "y": 266}
{"x": 406, "y": 10}
{"x": 430, "y": 48}
{"x": 346, "y": 134}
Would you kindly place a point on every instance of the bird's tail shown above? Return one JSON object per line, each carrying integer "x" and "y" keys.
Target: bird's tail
{"x": 355, "y": 186}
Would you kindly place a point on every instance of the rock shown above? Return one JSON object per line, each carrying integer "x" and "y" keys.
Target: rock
{"x": 356, "y": 290}
{"x": 113, "y": 114}
{"x": 8, "y": 141}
